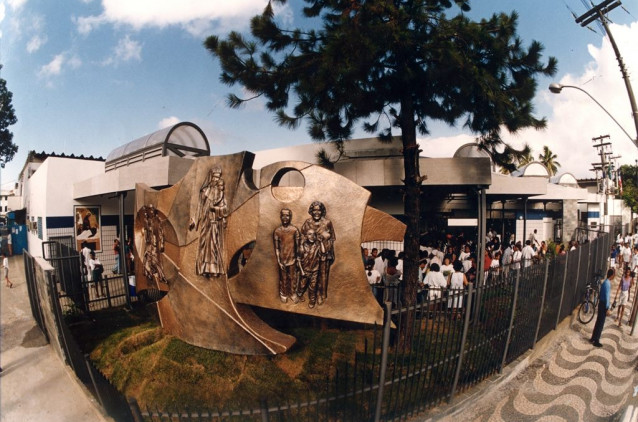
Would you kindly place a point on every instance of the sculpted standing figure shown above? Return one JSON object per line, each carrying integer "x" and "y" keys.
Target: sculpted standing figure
{"x": 287, "y": 240}
{"x": 153, "y": 233}
{"x": 313, "y": 253}
{"x": 210, "y": 220}
{"x": 324, "y": 232}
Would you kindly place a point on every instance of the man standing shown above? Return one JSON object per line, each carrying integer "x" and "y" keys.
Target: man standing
{"x": 287, "y": 240}
{"x": 5, "y": 271}
{"x": 533, "y": 238}
{"x": 625, "y": 253}
{"x": 527, "y": 254}
{"x": 603, "y": 308}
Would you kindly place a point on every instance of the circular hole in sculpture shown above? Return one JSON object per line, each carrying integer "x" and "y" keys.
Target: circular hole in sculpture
{"x": 288, "y": 185}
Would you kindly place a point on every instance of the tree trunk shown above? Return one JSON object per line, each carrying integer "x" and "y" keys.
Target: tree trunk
{"x": 412, "y": 210}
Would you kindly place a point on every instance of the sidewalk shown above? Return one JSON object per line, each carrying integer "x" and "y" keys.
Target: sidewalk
{"x": 35, "y": 384}
{"x": 563, "y": 378}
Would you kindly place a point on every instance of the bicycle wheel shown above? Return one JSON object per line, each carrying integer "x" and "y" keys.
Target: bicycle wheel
{"x": 586, "y": 312}
{"x": 594, "y": 297}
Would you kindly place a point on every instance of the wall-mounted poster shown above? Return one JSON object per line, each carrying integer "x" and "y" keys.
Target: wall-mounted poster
{"x": 87, "y": 227}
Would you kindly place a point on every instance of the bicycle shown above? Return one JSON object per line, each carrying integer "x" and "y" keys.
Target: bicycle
{"x": 587, "y": 308}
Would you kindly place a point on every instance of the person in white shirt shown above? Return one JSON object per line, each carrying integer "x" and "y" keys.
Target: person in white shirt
{"x": 97, "y": 269}
{"x": 447, "y": 269}
{"x": 533, "y": 238}
{"x": 464, "y": 257}
{"x": 435, "y": 281}
{"x": 400, "y": 264}
{"x": 527, "y": 254}
{"x": 5, "y": 270}
{"x": 86, "y": 254}
{"x": 507, "y": 255}
{"x": 516, "y": 258}
{"x": 625, "y": 252}
{"x": 380, "y": 263}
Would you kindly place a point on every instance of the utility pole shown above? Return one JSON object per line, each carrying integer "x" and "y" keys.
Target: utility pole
{"x": 604, "y": 182}
{"x": 598, "y": 12}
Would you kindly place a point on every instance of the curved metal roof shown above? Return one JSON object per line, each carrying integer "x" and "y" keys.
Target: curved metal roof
{"x": 184, "y": 139}
{"x": 470, "y": 150}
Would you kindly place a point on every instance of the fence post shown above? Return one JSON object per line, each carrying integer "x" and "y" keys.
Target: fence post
{"x": 540, "y": 314}
{"x": 135, "y": 409}
{"x": 264, "y": 410}
{"x": 562, "y": 292}
{"x": 387, "y": 325}
{"x": 466, "y": 326}
{"x": 58, "y": 319}
{"x": 577, "y": 283}
{"x": 511, "y": 325}
{"x": 98, "y": 393}
{"x": 108, "y": 291}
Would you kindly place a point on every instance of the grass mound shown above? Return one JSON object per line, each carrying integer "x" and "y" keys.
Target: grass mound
{"x": 159, "y": 370}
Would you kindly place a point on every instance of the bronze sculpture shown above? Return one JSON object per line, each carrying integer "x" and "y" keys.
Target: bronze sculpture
{"x": 153, "y": 234}
{"x": 287, "y": 240}
{"x": 324, "y": 234}
{"x": 210, "y": 221}
{"x": 219, "y": 315}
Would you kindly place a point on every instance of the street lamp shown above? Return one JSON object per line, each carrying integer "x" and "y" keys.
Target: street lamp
{"x": 557, "y": 88}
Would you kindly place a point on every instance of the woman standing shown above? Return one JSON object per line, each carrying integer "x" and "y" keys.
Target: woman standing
{"x": 626, "y": 281}
{"x": 457, "y": 282}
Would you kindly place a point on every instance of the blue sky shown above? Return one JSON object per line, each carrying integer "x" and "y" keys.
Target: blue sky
{"x": 90, "y": 75}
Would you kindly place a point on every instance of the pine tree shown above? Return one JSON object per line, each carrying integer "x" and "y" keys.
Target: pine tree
{"x": 389, "y": 65}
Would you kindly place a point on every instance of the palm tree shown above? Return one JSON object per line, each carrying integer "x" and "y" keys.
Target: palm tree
{"x": 548, "y": 158}
{"x": 525, "y": 159}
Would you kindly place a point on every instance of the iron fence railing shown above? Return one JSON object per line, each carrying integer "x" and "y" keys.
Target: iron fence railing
{"x": 112, "y": 401}
{"x": 431, "y": 352}
{"x": 76, "y": 293}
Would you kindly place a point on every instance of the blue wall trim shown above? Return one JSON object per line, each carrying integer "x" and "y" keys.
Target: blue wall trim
{"x": 59, "y": 222}
{"x": 105, "y": 220}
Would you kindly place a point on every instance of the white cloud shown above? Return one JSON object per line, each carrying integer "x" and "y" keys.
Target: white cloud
{"x": 194, "y": 16}
{"x": 35, "y": 43}
{"x": 16, "y": 4}
{"x": 87, "y": 24}
{"x": 168, "y": 121}
{"x": 53, "y": 68}
{"x": 74, "y": 62}
{"x": 58, "y": 64}
{"x": 3, "y": 12}
{"x": 575, "y": 118}
{"x": 126, "y": 50}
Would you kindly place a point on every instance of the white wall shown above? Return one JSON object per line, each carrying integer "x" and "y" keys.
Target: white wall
{"x": 62, "y": 173}
{"x": 545, "y": 228}
{"x": 50, "y": 192}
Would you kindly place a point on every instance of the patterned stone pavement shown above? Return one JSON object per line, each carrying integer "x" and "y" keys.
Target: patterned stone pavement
{"x": 570, "y": 381}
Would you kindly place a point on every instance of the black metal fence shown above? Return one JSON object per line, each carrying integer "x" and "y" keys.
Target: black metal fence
{"x": 446, "y": 350}
{"x": 76, "y": 293}
{"x": 44, "y": 286}
{"x": 421, "y": 356}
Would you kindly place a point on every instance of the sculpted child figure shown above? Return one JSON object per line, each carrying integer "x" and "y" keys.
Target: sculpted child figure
{"x": 313, "y": 253}
{"x": 287, "y": 240}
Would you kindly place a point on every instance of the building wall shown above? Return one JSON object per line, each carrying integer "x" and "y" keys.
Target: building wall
{"x": 49, "y": 198}
{"x": 570, "y": 218}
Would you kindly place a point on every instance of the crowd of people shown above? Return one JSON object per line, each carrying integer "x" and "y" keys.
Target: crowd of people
{"x": 451, "y": 262}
